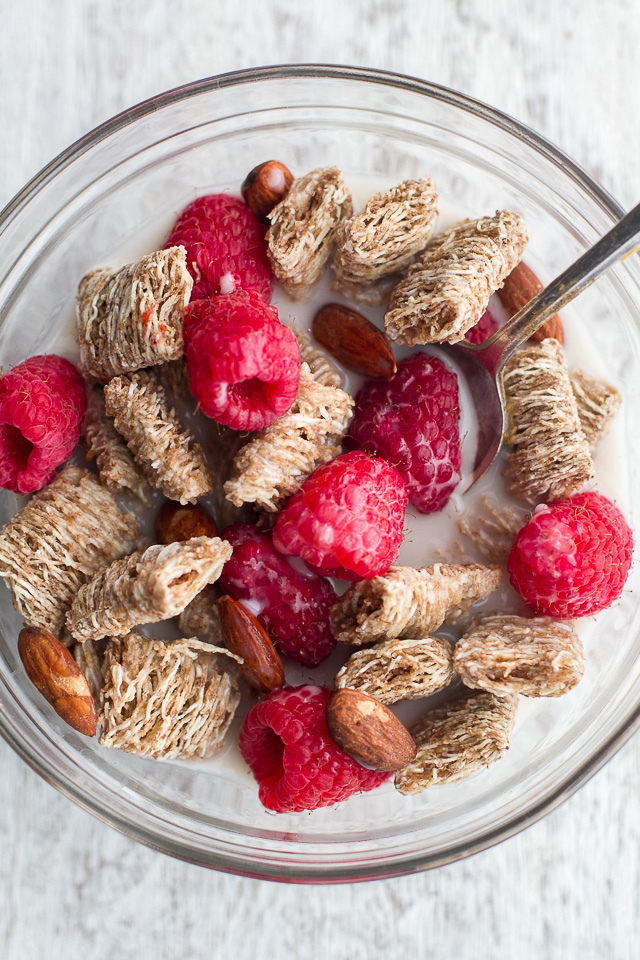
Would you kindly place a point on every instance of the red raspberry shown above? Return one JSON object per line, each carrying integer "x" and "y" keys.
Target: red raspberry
{"x": 573, "y": 556}
{"x": 243, "y": 364}
{"x": 295, "y": 606}
{"x": 223, "y": 238}
{"x": 484, "y": 328}
{"x": 42, "y": 406}
{"x": 346, "y": 519}
{"x": 412, "y": 421}
{"x": 286, "y": 743}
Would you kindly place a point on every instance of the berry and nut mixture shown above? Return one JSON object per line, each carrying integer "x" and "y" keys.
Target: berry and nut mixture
{"x": 293, "y": 459}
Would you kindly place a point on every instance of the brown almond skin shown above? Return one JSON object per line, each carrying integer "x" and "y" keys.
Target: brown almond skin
{"x": 52, "y": 669}
{"x": 244, "y": 636}
{"x": 368, "y": 731}
{"x": 265, "y": 186}
{"x": 354, "y": 341}
{"x": 177, "y": 523}
{"x": 519, "y": 288}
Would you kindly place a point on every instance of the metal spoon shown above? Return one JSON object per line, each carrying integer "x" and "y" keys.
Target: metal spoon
{"x": 483, "y": 364}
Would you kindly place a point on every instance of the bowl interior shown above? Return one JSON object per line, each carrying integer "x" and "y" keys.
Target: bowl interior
{"x": 113, "y": 196}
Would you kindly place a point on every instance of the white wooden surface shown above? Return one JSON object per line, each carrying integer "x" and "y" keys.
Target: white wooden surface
{"x": 567, "y": 888}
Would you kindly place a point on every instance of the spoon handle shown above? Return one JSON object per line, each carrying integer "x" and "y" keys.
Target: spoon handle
{"x": 619, "y": 242}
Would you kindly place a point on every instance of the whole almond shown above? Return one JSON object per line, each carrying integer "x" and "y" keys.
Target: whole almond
{"x": 368, "y": 731}
{"x": 265, "y": 186}
{"x": 177, "y": 523}
{"x": 52, "y": 669}
{"x": 354, "y": 341}
{"x": 519, "y": 288}
{"x": 244, "y": 636}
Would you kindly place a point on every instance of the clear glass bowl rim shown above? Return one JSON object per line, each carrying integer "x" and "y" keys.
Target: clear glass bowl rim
{"x": 227, "y": 862}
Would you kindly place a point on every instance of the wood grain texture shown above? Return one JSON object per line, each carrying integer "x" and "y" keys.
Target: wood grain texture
{"x": 569, "y": 887}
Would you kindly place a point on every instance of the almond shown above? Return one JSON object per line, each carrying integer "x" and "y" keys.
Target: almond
{"x": 368, "y": 731}
{"x": 177, "y": 523}
{"x": 244, "y": 636}
{"x": 52, "y": 669}
{"x": 354, "y": 341}
{"x": 265, "y": 186}
{"x": 519, "y": 288}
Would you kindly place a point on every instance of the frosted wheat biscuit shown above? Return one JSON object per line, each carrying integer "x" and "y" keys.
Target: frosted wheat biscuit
{"x": 161, "y": 446}
{"x": 131, "y": 317}
{"x": 65, "y": 535}
{"x": 550, "y": 456}
{"x": 320, "y": 364}
{"x": 446, "y": 291}
{"x": 116, "y": 466}
{"x": 303, "y": 228}
{"x": 200, "y": 617}
{"x": 406, "y": 602}
{"x": 276, "y": 460}
{"x": 493, "y": 529}
{"x": 597, "y": 404}
{"x": 146, "y": 587}
{"x": 399, "y": 669}
{"x": 457, "y": 740}
{"x": 384, "y": 238}
{"x": 538, "y": 657}
{"x": 166, "y": 700}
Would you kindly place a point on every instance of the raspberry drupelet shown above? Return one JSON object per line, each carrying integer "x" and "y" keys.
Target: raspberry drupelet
{"x": 243, "y": 364}
{"x": 295, "y": 606}
{"x": 412, "y": 421}
{"x": 346, "y": 520}
{"x": 225, "y": 246}
{"x": 573, "y": 556}
{"x": 42, "y": 407}
{"x": 287, "y": 745}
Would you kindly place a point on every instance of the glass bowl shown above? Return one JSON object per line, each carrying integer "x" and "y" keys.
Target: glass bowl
{"x": 104, "y": 194}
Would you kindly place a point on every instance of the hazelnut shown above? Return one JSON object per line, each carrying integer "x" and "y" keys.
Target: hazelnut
{"x": 266, "y": 186}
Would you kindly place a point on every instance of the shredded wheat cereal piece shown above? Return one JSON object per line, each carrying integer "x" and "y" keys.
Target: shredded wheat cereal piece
{"x": 319, "y": 363}
{"x": 200, "y": 617}
{"x": 90, "y": 658}
{"x": 223, "y": 445}
{"x": 275, "y": 462}
{"x": 372, "y": 293}
{"x": 405, "y": 602}
{"x": 174, "y": 378}
{"x": 446, "y": 291}
{"x": 458, "y": 739}
{"x": 384, "y": 238}
{"x": 538, "y": 657}
{"x": 131, "y": 317}
{"x": 167, "y": 700}
{"x": 146, "y": 587}
{"x": 116, "y": 466}
{"x": 494, "y": 531}
{"x": 64, "y": 536}
{"x": 597, "y": 404}
{"x": 301, "y": 237}
{"x": 550, "y": 456}
{"x": 399, "y": 669}
{"x": 162, "y": 447}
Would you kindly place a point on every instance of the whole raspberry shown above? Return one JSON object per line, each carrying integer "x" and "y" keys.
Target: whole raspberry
{"x": 243, "y": 364}
{"x": 287, "y": 745}
{"x": 225, "y": 246}
{"x": 573, "y": 556}
{"x": 484, "y": 328}
{"x": 42, "y": 407}
{"x": 294, "y": 606}
{"x": 412, "y": 421}
{"x": 346, "y": 520}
